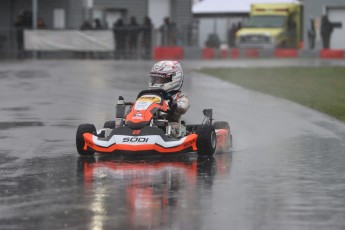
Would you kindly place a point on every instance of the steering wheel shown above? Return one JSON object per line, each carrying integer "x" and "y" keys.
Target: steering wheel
{"x": 161, "y": 93}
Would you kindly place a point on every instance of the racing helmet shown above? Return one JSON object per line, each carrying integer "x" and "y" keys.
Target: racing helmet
{"x": 166, "y": 75}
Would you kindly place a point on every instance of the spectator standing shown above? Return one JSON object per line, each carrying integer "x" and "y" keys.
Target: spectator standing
{"x": 120, "y": 35}
{"x": 133, "y": 35}
{"x": 213, "y": 41}
{"x": 23, "y": 21}
{"x": 239, "y": 26}
{"x": 19, "y": 25}
{"x": 98, "y": 24}
{"x": 311, "y": 33}
{"x": 41, "y": 24}
{"x": 168, "y": 32}
{"x": 86, "y": 26}
{"x": 232, "y": 36}
{"x": 326, "y": 31}
{"x": 147, "y": 37}
{"x": 27, "y": 19}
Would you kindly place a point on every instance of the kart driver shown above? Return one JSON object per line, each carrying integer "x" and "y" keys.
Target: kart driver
{"x": 168, "y": 75}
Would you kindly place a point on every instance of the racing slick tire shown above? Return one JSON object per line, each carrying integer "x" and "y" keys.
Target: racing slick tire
{"x": 80, "y": 142}
{"x": 109, "y": 125}
{"x": 206, "y": 142}
{"x": 224, "y": 125}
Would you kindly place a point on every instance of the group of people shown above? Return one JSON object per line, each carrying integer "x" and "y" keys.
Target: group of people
{"x": 129, "y": 37}
{"x": 327, "y": 28}
{"x": 213, "y": 40}
{"x": 132, "y": 40}
{"x": 97, "y": 25}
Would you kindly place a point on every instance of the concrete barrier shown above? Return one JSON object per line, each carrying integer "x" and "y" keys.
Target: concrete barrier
{"x": 168, "y": 52}
{"x": 208, "y": 53}
{"x": 177, "y": 52}
{"x": 224, "y": 53}
{"x": 308, "y": 53}
{"x": 251, "y": 53}
{"x": 234, "y": 53}
{"x": 286, "y": 53}
{"x": 331, "y": 54}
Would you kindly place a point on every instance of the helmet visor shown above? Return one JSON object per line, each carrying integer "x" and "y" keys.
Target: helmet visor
{"x": 160, "y": 78}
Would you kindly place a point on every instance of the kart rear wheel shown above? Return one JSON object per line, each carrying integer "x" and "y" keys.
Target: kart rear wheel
{"x": 206, "y": 142}
{"x": 224, "y": 125}
{"x": 109, "y": 125}
{"x": 221, "y": 125}
{"x": 80, "y": 142}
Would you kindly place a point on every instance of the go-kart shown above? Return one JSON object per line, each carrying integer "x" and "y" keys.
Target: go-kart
{"x": 144, "y": 129}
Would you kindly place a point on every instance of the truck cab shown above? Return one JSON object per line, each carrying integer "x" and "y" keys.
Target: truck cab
{"x": 273, "y": 25}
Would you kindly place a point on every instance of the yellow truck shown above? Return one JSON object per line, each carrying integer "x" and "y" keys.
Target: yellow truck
{"x": 275, "y": 25}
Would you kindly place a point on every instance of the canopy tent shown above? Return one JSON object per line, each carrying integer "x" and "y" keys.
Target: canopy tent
{"x": 229, "y": 7}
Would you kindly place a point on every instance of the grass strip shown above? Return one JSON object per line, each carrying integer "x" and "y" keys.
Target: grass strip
{"x": 320, "y": 88}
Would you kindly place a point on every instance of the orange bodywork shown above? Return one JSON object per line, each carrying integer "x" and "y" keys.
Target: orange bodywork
{"x": 145, "y": 115}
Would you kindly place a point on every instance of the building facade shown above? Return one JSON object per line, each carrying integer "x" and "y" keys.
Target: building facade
{"x": 62, "y": 14}
{"x": 71, "y": 14}
{"x": 74, "y": 12}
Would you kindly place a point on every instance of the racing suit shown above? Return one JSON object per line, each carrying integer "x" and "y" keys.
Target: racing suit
{"x": 178, "y": 106}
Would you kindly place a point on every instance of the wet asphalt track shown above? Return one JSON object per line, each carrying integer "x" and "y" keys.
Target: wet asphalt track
{"x": 286, "y": 170}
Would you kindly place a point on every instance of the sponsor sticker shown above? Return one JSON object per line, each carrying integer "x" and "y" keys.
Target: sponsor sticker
{"x": 142, "y": 105}
{"x": 150, "y": 98}
{"x": 136, "y": 132}
{"x": 145, "y": 101}
{"x": 135, "y": 139}
{"x": 137, "y": 116}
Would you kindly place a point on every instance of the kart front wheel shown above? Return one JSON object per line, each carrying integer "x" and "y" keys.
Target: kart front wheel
{"x": 207, "y": 140}
{"x": 80, "y": 142}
